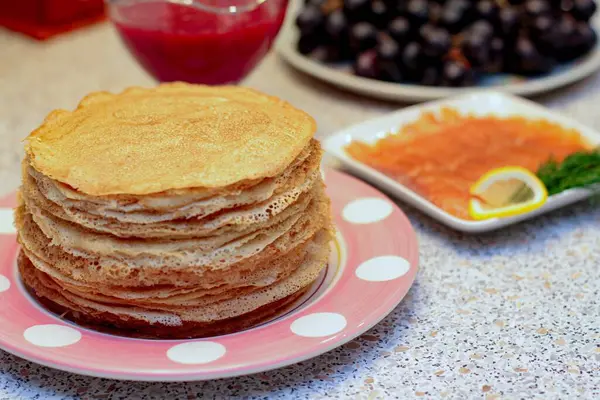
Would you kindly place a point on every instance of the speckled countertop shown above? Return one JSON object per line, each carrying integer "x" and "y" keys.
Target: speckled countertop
{"x": 508, "y": 315}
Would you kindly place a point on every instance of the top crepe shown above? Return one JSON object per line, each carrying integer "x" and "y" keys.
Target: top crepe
{"x": 176, "y": 136}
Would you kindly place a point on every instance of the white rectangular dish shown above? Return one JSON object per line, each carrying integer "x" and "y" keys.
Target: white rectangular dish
{"x": 478, "y": 103}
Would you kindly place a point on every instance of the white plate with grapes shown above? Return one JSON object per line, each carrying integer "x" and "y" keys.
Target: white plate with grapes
{"x": 419, "y": 50}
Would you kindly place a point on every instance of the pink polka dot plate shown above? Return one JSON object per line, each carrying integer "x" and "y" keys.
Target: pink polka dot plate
{"x": 373, "y": 264}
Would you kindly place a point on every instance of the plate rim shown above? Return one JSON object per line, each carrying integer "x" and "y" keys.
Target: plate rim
{"x": 332, "y": 146}
{"x": 400, "y": 92}
{"x": 374, "y": 316}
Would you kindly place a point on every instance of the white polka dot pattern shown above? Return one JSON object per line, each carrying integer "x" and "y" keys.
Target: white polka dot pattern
{"x": 4, "y": 284}
{"x": 7, "y": 221}
{"x": 52, "y": 335}
{"x": 319, "y": 324}
{"x": 367, "y": 210}
{"x": 196, "y": 352}
{"x": 384, "y": 268}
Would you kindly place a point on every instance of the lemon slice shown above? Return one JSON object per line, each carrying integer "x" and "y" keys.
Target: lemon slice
{"x": 505, "y": 192}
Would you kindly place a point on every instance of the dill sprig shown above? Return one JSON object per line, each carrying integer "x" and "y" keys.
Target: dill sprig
{"x": 578, "y": 170}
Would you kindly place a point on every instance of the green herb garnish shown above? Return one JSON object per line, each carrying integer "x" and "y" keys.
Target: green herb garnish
{"x": 578, "y": 170}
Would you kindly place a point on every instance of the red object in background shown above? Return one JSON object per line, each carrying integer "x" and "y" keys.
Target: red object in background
{"x": 42, "y": 19}
{"x": 178, "y": 42}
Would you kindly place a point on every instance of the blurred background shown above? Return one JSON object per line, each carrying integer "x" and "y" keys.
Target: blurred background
{"x": 54, "y": 52}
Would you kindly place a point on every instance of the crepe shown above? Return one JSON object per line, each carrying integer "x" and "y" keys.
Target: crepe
{"x": 175, "y": 136}
{"x": 157, "y": 265}
{"x": 176, "y": 315}
{"x": 189, "y": 248}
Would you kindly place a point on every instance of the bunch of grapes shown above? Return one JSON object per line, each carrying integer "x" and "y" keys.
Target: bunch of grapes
{"x": 445, "y": 42}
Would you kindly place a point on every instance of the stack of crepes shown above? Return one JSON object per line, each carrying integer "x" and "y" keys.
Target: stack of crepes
{"x": 174, "y": 212}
